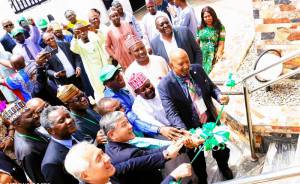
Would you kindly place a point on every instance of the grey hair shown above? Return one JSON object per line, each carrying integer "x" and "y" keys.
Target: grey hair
{"x": 69, "y": 12}
{"x": 111, "y": 9}
{"x": 115, "y": 3}
{"x": 44, "y": 119}
{"x": 101, "y": 104}
{"x": 75, "y": 161}
{"x": 109, "y": 120}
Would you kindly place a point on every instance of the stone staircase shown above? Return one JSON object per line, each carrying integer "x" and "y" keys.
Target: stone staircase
{"x": 277, "y": 26}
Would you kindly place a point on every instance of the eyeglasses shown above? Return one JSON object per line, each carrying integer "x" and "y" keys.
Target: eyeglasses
{"x": 78, "y": 98}
{"x": 8, "y": 25}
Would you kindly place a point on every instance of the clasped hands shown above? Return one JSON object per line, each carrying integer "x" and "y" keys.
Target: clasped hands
{"x": 186, "y": 139}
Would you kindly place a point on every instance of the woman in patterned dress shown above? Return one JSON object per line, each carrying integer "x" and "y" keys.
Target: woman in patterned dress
{"x": 211, "y": 37}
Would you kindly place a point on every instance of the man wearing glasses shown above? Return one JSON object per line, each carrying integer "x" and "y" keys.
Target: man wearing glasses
{"x": 86, "y": 119}
{"x": 7, "y": 41}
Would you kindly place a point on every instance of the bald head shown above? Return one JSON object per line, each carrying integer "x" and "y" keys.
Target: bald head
{"x": 179, "y": 62}
{"x": 49, "y": 39}
{"x": 177, "y": 53}
{"x": 17, "y": 62}
{"x": 34, "y": 103}
{"x": 7, "y": 25}
{"x": 37, "y": 105}
{"x": 107, "y": 105}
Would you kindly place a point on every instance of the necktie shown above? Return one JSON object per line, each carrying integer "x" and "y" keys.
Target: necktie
{"x": 30, "y": 56}
{"x": 197, "y": 101}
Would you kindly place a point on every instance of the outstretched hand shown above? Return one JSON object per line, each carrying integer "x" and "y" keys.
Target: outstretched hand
{"x": 224, "y": 99}
{"x": 182, "y": 171}
{"x": 170, "y": 132}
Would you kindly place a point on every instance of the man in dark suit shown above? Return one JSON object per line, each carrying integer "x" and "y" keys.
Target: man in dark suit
{"x": 147, "y": 161}
{"x": 7, "y": 41}
{"x": 186, "y": 94}
{"x": 60, "y": 125}
{"x": 63, "y": 65}
{"x": 86, "y": 119}
{"x": 30, "y": 145}
{"x": 171, "y": 38}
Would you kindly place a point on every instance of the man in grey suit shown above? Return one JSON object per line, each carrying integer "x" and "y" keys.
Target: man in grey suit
{"x": 171, "y": 38}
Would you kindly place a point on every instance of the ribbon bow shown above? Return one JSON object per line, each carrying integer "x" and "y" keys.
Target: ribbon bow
{"x": 213, "y": 135}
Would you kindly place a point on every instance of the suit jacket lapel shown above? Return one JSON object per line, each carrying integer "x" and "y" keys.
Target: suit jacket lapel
{"x": 61, "y": 149}
{"x": 199, "y": 84}
{"x": 55, "y": 60}
{"x": 177, "y": 38}
{"x": 162, "y": 49}
{"x": 178, "y": 87}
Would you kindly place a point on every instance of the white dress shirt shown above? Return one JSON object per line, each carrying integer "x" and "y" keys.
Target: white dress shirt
{"x": 169, "y": 46}
{"x": 150, "y": 111}
{"x": 66, "y": 63}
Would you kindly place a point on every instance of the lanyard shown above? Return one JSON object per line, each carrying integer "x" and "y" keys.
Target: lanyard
{"x": 91, "y": 121}
{"x": 192, "y": 89}
{"x": 30, "y": 137}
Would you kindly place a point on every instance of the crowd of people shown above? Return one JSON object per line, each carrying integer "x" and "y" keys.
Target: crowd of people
{"x": 92, "y": 103}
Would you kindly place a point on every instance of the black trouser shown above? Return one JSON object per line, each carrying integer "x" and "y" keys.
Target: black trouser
{"x": 199, "y": 165}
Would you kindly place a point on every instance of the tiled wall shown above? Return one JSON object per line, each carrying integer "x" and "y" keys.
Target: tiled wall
{"x": 277, "y": 24}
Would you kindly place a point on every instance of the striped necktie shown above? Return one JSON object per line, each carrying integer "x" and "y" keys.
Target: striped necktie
{"x": 198, "y": 101}
{"x": 30, "y": 56}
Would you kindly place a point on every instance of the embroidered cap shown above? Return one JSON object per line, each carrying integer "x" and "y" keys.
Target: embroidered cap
{"x": 14, "y": 111}
{"x": 131, "y": 40}
{"x": 66, "y": 92}
{"x": 137, "y": 80}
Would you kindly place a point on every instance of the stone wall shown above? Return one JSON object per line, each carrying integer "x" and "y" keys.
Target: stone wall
{"x": 277, "y": 26}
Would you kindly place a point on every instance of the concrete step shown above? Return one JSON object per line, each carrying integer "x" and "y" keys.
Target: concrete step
{"x": 239, "y": 160}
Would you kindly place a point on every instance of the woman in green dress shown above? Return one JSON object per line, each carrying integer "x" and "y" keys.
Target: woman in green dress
{"x": 211, "y": 37}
